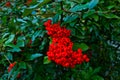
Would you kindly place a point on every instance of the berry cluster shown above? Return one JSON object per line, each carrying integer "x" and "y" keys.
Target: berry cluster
{"x": 60, "y": 50}
{"x": 11, "y": 66}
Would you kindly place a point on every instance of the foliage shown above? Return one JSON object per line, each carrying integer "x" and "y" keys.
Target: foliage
{"x": 23, "y": 38}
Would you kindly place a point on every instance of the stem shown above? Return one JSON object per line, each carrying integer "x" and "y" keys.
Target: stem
{"x": 7, "y": 59}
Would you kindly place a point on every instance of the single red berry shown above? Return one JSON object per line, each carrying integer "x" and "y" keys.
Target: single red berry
{"x": 14, "y": 63}
{"x": 84, "y": 56}
{"x": 11, "y": 65}
{"x": 19, "y": 75}
{"x": 28, "y": 2}
{"x": 9, "y": 69}
{"x": 8, "y": 4}
{"x": 87, "y": 59}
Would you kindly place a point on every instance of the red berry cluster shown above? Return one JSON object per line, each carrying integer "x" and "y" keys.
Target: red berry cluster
{"x": 11, "y": 66}
{"x": 60, "y": 50}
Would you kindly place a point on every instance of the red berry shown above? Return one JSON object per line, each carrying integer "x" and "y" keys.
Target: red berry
{"x": 11, "y": 66}
{"x": 9, "y": 69}
{"x": 14, "y": 63}
{"x": 87, "y": 59}
{"x": 8, "y": 4}
{"x": 28, "y": 2}
{"x": 19, "y": 75}
{"x": 84, "y": 57}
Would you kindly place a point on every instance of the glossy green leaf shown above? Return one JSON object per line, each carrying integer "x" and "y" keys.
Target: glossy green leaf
{"x": 79, "y": 7}
{"x": 46, "y": 61}
{"x": 96, "y": 70}
{"x": 93, "y": 3}
{"x": 22, "y": 65}
{"x": 10, "y": 39}
{"x": 96, "y": 77}
{"x": 29, "y": 10}
{"x": 95, "y": 17}
{"x": 14, "y": 47}
{"x": 88, "y": 14}
{"x": 55, "y": 18}
{"x": 110, "y": 16}
{"x": 5, "y": 35}
{"x": 83, "y": 46}
{"x": 20, "y": 43}
{"x": 36, "y": 55}
{"x": 36, "y": 34}
{"x": 9, "y": 56}
{"x": 70, "y": 18}
{"x": 21, "y": 20}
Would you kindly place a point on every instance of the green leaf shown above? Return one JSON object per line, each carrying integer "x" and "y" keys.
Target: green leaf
{"x": 10, "y": 73}
{"x": 43, "y": 3}
{"x": 89, "y": 13}
{"x": 29, "y": 10}
{"x": 50, "y": 40}
{"x": 93, "y": 3}
{"x": 56, "y": 18}
{"x": 22, "y": 65}
{"x": 36, "y": 34}
{"x": 14, "y": 47}
{"x": 96, "y": 70}
{"x": 110, "y": 16}
{"x": 5, "y": 35}
{"x": 2, "y": 42}
{"x": 20, "y": 43}
{"x": 83, "y": 46}
{"x": 43, "y": 44}
{"x": 34, "y": 56}
{"x": 21, "y": 20}
{"x": 4, "y": 20}
{"x": 9, "y": 56}
{"x": 70, "y": 18}
{"x": 14, "y": 74}
{"x": 84, "y": 74}
{"x": 79, "y": 7}
{"x": 95, "y": 17}
{"x": 46, "y": 61}
{"x": 10, "y": 39}
{"x": 111, "y": 6}
{"x": 96, "y": 77}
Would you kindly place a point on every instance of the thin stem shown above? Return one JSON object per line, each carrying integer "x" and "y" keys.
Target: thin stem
{"x": 7, "y": 59}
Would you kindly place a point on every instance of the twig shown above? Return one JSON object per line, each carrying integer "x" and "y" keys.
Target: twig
{"x": 7, "y": 58}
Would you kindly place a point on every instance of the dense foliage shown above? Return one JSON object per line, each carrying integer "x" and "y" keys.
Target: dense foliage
{"x": 90, "y": 24}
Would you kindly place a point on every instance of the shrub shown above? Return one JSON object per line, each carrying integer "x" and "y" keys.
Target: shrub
{"x": 87, "y": 26}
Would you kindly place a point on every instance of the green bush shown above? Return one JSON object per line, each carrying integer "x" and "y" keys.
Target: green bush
{"x": 24, "y": 39}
